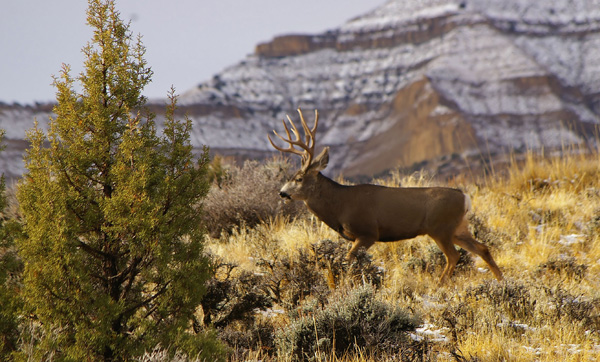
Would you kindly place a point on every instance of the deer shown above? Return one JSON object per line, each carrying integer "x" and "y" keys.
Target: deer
{"x": 367, "y": 213}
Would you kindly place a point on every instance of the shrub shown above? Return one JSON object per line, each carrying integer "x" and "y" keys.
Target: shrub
{"x": 512, "y": 298}
{"x": 563, "y": 266}
{"x": 486, "y": 234}
{"x": 574, "y": 309}
{"x": 355, "y": 319}
{"x": 291, "y": 279}
{"x": 246, "y": 196}
{"x": 331, "y": 256}
{"x": 231, "y": 304}
{"x": 458, "y": 317}
{"x": 233, "y": 296}
{"x": 258, "y": 337}
{"x": 316, "y": 271}
{"x": 159, "y": 354}
{"x": 594, "y": 224}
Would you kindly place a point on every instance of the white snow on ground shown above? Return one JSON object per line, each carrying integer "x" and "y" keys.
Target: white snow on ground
{"x": 571, "y": 239}
{"x": 430, "y": 332}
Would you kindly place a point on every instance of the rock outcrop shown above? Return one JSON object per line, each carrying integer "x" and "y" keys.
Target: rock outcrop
{"x": 413, "y": 81}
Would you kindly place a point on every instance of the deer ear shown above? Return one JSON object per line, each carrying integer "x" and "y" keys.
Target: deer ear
{"x": 320, "y": 162}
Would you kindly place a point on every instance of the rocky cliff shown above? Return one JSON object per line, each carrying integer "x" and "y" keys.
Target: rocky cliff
{"x": 414, "y": 81}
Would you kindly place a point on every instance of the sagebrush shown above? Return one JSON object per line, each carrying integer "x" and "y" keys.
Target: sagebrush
{"x": 246, "y": 196}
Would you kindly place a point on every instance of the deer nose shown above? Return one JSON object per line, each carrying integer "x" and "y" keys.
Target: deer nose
{"x": 284, "y": 195}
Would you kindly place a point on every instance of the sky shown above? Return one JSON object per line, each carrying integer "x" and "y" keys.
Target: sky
{"x": 187, "y": 41}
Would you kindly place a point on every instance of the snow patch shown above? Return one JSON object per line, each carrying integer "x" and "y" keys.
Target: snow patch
{"x": 431, "y": 333}
{"x": 571, "y": 239}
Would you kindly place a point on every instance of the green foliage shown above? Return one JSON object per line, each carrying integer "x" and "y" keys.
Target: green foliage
{"x": 217, "y": 171}
{"x": 10, "y": 273}
{"x": 113, "y": 256}
{"x": 351, "y": 320}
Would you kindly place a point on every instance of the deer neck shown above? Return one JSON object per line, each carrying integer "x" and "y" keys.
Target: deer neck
{"x": 325, "y": 201}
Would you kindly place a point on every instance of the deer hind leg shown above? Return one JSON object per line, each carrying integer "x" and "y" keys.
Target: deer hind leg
{"x": 359, "y": 243}
{"x": 451, "y": 254}
{"x": 465, "y": 240}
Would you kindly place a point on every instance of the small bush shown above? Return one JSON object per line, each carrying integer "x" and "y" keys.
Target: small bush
{"x": 231, "y": 304}
{"x": 563, "y": 266}
{"x": 574, "y": 309}
{"x": 258, "y": 338}
{"x": 437, "y": 260}
{"x": 458, "y": 318}
{"x": 290, "y": 280}
{"x": 316, "y": 271}
{"x": 233, "y": 297}
{"x": 512, "y": 298}
{"x": 246, "y": 196}
{"x": 594, "y": 224}
{"x": 354, "y": 320}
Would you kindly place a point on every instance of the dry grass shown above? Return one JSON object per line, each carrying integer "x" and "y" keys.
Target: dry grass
{"x": 542, "y": 224}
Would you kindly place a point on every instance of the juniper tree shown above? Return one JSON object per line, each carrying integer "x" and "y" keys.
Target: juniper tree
{"x": 10, "y": 268}
{"x": 113, "y": 253}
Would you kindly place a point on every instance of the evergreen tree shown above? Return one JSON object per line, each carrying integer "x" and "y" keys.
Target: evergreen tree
{"x": 10, "y": 272}
{"x": 113, "y": 254}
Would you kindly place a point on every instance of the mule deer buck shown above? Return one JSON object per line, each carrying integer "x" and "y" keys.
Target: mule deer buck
{"x": 365, "y": 214}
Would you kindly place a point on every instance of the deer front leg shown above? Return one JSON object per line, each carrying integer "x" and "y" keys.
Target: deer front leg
{"x": 359, "y": 243}
{"x": 468, "y": 242}
{"x": 464, "y": 239}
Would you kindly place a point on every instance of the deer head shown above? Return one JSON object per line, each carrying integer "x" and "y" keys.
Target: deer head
{"x": 304, "y": 181}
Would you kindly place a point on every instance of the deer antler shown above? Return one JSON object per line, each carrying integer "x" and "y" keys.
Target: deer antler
{"x": 308, "y": 145}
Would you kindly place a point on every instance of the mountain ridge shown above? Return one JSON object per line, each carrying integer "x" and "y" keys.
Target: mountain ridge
{"x": 411, "y": 82}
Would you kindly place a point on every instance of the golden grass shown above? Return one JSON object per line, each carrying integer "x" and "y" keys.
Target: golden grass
{"x": 542, "y": 224}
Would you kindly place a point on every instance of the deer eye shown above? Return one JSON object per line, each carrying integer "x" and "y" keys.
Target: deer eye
{"x": 299, "y": 179}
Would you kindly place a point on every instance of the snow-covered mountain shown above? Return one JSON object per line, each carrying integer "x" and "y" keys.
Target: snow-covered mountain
{"x": 410, "y": 81}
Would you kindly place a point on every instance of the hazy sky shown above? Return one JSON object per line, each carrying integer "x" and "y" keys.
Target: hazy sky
{"x": 187, "y": 41}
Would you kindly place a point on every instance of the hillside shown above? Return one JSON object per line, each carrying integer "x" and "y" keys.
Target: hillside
{"x": 407, "y": 83}
{"x": 541, "y": 223}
